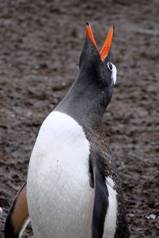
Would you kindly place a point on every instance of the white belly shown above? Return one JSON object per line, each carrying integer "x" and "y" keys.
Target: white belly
{"x": 59, "y": 196}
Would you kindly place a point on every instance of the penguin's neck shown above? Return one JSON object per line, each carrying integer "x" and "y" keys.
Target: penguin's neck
{"x": 86, "y": 103}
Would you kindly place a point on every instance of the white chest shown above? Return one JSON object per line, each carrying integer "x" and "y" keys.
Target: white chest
{"x": 59, "y": 196}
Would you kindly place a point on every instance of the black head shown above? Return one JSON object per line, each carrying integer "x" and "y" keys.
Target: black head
{"x": 96, "y": 68}
{"x": 92, "y": 91}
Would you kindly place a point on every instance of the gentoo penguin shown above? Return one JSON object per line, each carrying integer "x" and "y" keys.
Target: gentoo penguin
{"x": 72, "y": 185}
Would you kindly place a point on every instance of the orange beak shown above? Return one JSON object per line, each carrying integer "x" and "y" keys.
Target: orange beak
{"x": 103, "y": 53}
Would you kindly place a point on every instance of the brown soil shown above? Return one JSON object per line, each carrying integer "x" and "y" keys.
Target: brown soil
{"x": 40, "y": 44}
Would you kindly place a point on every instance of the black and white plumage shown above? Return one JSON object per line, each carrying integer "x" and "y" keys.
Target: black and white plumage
{"x": 72, "y": 186}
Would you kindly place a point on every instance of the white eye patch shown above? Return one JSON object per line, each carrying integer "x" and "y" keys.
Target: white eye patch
{"x": 113, "y": 70}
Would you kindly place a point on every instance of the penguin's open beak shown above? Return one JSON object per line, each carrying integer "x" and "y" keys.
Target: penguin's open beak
{"x": 103, "y": 53}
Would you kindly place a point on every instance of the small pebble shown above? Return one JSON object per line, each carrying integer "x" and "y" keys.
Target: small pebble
{"x": 151, "y": 216}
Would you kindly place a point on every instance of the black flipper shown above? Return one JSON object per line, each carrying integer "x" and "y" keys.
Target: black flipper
{"x": 100, "y": 167}
{"x": 100, "y": 205}
{"x": 17, "y": 216}
{"x": 98, "y": 171}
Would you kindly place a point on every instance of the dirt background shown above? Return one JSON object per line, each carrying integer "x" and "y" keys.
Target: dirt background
{"x": 40, "y": 44}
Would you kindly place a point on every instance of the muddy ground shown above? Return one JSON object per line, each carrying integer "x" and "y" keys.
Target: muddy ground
{"x": 40, "y": 44}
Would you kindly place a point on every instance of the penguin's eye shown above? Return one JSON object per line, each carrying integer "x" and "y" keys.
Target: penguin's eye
{"x": 109, "y": 65}
{"x": 113, "y": 70}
